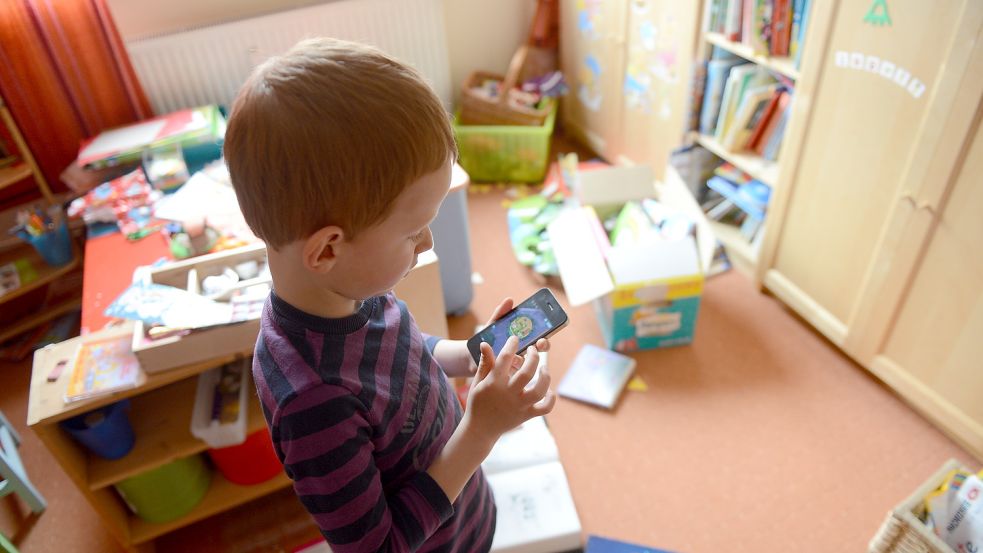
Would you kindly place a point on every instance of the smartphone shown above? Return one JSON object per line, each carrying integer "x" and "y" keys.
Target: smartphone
{"x": 539, "y": 316}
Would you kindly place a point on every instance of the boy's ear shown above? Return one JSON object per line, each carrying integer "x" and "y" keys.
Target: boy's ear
{"x": 320, "y": 250}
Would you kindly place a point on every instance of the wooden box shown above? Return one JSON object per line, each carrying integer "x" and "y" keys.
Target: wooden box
{"x": 199, "y": 345}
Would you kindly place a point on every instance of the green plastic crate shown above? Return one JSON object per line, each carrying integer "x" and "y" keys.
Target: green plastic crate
{"x": 505, "y": 153}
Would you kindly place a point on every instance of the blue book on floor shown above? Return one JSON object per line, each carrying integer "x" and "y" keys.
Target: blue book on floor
{"x": 597, "y": 544}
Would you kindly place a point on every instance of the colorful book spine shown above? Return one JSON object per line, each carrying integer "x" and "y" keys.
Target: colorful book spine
{"x": 806, "y": 4}
{"x": 795, "y": 42}
{"x": 717, "y": 71}
{"x": 780, "y": 27}
{"x": 733, "y": 23}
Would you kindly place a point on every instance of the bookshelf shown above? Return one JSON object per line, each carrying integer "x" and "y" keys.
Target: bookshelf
{"x": 762, "y": 169}
{"x": 744, "y": 253}
{"x": 782, "y": 65}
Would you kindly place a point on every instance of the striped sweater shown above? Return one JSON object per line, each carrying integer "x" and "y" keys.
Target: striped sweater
{"x": 358, "y": 410}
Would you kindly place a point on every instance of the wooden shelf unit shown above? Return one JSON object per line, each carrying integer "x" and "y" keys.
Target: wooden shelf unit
{"x": 754, "y": 165}
{"x": 782, "y": 65}
{"x": 14, "y": 174}
{"x": 222, "y": 495}
{"x": 165, "y": 432}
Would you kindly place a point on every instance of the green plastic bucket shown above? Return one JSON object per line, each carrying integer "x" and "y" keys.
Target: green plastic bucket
{"x": 168, "y": 492}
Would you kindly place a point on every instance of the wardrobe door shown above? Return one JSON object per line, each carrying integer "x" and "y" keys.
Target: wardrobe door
{"x": 656, "y": 83}
{"x": 884, "y": 82}
{"x": 592, "y": 57}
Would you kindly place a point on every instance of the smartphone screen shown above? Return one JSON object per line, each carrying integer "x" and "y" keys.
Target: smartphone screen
{"x": 529, "y": 321}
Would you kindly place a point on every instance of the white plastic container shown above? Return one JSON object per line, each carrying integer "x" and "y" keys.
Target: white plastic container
{"x": 203, "y": 425}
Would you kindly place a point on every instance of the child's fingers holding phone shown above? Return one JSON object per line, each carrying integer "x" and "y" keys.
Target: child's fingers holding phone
{"x": 527, "y": 371}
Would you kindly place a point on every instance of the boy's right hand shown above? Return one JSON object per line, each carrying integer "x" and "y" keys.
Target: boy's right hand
{"x": 499, "y": 400}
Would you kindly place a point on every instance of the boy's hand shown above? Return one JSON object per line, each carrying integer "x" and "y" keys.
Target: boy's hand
{"x": 500, "y": 398}
{"x": 541, "y": 345}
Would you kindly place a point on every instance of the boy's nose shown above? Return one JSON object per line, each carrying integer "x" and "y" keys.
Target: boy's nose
{"x": 426, "y": 243}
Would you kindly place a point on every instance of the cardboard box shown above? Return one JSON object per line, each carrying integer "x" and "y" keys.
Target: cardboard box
{"x": 420, "y": 289}
{"x": 646, "y": 294}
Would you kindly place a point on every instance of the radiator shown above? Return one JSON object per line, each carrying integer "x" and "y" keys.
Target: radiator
{"x": 207, "y": 65}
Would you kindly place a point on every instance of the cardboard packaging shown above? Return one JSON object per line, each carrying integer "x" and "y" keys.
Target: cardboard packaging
{"x": 646, "y": 294}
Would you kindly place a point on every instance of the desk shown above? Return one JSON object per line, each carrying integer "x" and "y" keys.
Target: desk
{"x": 108, "y": 270}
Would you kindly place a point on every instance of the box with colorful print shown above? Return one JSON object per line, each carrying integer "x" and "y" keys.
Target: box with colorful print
{"x": 634, "y": 258}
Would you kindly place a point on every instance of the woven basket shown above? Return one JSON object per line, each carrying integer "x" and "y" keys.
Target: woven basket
{"x": 903, "y": 532}
{"x": 479, "y": 110}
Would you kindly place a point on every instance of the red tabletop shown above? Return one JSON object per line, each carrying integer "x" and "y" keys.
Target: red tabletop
{"x": 109, "y": 264}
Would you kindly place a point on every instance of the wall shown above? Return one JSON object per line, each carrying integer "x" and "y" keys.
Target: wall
{"x": 480, "y": 34}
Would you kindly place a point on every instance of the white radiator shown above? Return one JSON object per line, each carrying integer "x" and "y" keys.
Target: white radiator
{"x": 207, "y": 65}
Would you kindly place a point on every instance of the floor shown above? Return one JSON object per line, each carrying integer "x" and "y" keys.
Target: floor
{"x": 759, "y": 437}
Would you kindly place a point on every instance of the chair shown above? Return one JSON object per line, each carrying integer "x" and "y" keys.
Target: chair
{"x": 13, "y": 478}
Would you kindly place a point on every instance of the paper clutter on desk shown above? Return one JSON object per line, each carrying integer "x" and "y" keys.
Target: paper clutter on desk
{"x": 157, "y": 304}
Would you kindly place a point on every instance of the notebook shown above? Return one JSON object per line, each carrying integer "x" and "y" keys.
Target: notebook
{"x": 597, "y": 376}
{"x": 536, "y": 513}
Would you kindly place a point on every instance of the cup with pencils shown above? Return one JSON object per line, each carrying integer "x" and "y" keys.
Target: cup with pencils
{"x": 47, "y": 231}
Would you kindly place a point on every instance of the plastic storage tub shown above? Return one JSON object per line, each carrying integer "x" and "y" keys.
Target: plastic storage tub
{"x": 105, "y": 431}
{"x": 505, "y": 153}
{"x": 204, "y": 425}
{"x": 250, "y": 462}
{"x": 167, "y": 492}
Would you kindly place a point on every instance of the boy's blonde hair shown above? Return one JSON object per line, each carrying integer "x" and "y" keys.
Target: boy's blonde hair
{"x": 329, "y": 134}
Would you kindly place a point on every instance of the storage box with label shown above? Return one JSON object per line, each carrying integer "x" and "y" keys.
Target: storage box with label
{"x": 646, "y": 283}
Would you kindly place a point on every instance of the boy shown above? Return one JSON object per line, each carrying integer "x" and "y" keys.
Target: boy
{"x": 340, "y": 157}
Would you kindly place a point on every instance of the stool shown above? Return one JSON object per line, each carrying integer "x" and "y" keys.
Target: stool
{"x": 13, "y": 478}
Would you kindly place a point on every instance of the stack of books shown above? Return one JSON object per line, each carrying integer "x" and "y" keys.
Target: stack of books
{"x": 735, "y": 198}
{"x": 769, "y": 27}
{"x": 745, "y": 107}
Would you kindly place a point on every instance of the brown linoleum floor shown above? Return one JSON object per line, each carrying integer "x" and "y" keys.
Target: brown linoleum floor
{"x": 759, "y": 437}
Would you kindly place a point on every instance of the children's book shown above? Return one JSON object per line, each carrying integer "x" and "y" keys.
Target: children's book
{"x": 717, "y": 71}
{"x": 740, "y": 79}
{"x": 597, "y": 544}
{"x": 536, "y": 513}
{"x": 746, "y": 117}
{"x": 597, "y": 376}
{"x": 101, "y": 366}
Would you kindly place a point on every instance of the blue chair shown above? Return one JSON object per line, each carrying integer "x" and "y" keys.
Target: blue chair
{"x": 13, "y": 478}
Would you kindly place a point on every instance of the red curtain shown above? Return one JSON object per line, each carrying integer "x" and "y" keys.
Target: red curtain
{"x": 65, "y": 76}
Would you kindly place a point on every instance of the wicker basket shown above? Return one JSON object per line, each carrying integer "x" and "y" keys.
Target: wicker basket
{"x": 903, "y": 532}
{"x": 479, "y": 110}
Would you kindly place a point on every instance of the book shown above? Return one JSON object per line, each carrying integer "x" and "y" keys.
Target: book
{"x": 536, "y": 513}
{"x": 597, "y": 544}
{"x": 781, "y": 26}
{"x": 597, "y": 376}
{"x": 762, "y": 121}
{"x": 732, "y": 20}
{"x": 716, "y": 79}
{"x": 758, "y": 28}
{"x": 102, "y": 366}
{"x": 780, "y": 108}
{"x": 733, "y": 88}
{"x": 746, "y": 116}
{"x": 752, "y": 197}
{"x": 774, "y": 144}
{"x": 795, "y": 42}
{"x": 806, "y": 4}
